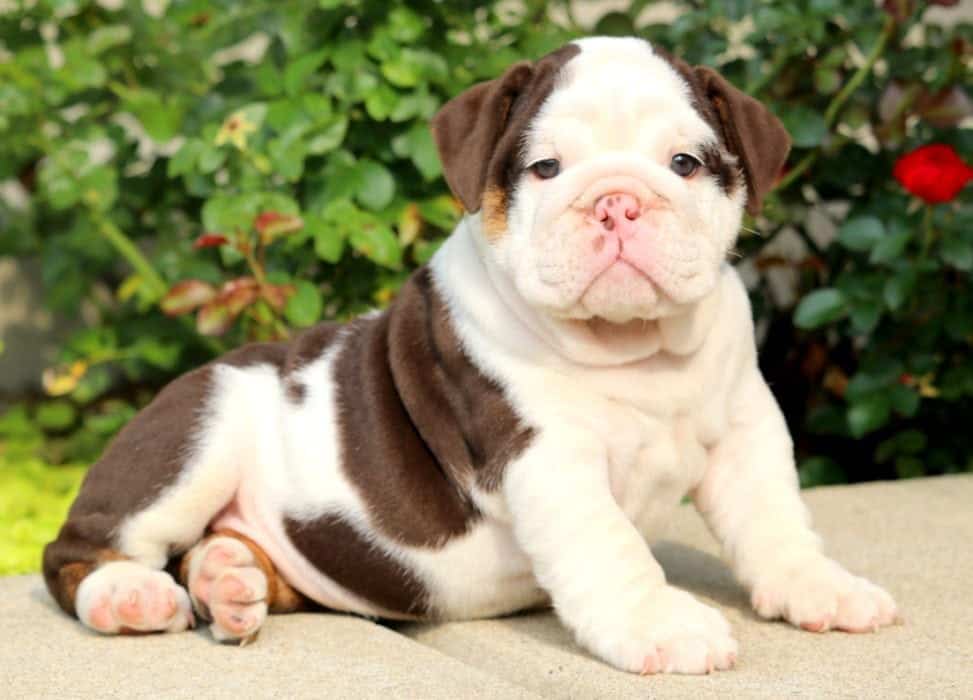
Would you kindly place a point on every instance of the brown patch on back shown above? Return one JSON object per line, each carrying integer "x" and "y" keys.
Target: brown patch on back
{"x": 337, "y": 549}
{"x": 419, "y": 424}
{"x": 306, "y": 348}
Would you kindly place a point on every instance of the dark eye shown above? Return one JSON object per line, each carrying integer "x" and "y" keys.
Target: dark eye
{"x": 684, "y": 165}
{"x": 546, "y": 169}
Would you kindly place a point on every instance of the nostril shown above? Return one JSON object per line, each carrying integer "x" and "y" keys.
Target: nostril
{"x": 631, "y": 214}
{"x": 608, "y": 222}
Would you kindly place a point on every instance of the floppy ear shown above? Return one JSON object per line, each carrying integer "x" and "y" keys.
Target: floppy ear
{"x": 468, "y": 128}
{"x": 750, "y": 131}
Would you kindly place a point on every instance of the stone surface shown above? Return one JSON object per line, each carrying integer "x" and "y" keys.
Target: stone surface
{"x": 915, "y": 538}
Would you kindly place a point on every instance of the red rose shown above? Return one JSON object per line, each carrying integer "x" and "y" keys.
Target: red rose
{"x": 934, "y": 173}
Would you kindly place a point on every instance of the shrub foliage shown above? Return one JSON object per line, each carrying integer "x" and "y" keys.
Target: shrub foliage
{"x": 193, "y": 175}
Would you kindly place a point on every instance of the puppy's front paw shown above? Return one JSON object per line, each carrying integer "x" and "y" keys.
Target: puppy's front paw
{"x": 818, "y": 594}
{"x": 675, "y": 634}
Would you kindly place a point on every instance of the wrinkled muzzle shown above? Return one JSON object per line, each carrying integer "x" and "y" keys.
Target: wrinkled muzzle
{"x": 617, "y": 238}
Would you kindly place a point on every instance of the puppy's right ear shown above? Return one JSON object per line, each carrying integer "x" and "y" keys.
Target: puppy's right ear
{"x": 469, "y": 127}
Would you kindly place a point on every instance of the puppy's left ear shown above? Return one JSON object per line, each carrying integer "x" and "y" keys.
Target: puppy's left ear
{"x": 750, "y": 131}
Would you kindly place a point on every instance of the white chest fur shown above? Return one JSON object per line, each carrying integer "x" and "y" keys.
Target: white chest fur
{"x": 656, "y": 412}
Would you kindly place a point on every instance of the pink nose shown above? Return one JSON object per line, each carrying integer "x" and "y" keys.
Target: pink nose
{"x": 618, "y": 212}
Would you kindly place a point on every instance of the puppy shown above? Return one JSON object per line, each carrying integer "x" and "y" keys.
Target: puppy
{"x": 576, "y": 358}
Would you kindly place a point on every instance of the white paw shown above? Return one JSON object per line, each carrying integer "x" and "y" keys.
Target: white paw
{"x": 818, "y": 594}
{"x": 124, "y": 596}
{"x": 674, "y": 634}
{"x": 228, "y": 588}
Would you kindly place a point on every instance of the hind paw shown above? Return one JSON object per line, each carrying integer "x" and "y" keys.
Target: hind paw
{"x": 228, "y": 587}
{"x": 125, "y": 597}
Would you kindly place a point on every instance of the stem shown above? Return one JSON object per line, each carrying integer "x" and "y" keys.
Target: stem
{"x": 928, "y": 232}
{"x": 255, "y": 265}
{"x": 806, "y": 162}
{"x": 128, "y": 250}
{"x": 838, "y": 101}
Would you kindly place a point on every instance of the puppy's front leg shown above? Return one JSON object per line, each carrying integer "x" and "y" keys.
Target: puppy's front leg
{"x": 751, "y": 501}
{"x": 599, "y": 572}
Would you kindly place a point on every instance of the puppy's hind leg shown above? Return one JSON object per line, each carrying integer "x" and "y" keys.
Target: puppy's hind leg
{"x": 170, "y": 471}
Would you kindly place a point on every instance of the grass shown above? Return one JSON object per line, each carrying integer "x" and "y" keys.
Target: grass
{"x": 34, "y": 498}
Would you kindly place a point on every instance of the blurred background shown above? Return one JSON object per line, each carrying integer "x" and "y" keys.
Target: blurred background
{"x": 180, "y": 177}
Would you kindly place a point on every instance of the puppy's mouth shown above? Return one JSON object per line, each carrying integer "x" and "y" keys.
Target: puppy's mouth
{"x": 619, "y": 267}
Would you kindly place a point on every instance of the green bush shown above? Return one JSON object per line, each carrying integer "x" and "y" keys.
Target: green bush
{"x": 198, "y": 174}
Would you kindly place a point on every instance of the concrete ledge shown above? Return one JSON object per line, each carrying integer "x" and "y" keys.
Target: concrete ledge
{"x": 915, "y": 538}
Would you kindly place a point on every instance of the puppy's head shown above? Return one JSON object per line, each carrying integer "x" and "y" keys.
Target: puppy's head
{"x": 611, "y": 178}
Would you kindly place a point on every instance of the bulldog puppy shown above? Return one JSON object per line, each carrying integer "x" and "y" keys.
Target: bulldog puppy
{"x": 576, "y": 358}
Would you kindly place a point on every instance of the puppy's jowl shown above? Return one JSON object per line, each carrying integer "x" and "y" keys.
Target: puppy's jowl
{"x": 575, "y": 359}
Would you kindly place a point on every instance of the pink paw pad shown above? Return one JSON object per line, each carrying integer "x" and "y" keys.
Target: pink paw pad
{"x": 228, "y": 588}
{"x": 129, "y": 597}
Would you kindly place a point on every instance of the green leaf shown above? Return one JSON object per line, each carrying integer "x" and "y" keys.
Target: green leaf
{"x": 907, "y": 442}
{"x": 869, "y": 414}
{"x": 615, "y": 24}
{"x": 329, "y": 238}
{"x": 211, "y": 158}
{"x": 376, "y": 241}
{"x": 287, "y": 157}
{"x": 157, "y": 352}
{"x": 898, "y": 288}
{"x": 107, "y": 37}
{"x": 806, "y": 126}
{"x": 827, "y": 80}
{"x": 957, "y": 252}
{"x": 905, "y": 400}
{"x": 380, "y": 102}
{"x": 161, "y": 118}
{"x": 821, "y": 471}
{"x": 300, "y": 69}
{"x": 909, "y": 467}
{"x": 890, "y": 247}
{"x": 304, "y": 307}
{"x": 405, "y": 25}
{"x": 99, "y": 188}
{"x": 865, "y": 316}
{"x": 861, "y": 233}
{"x": 377, "y": 186}
{"x": 92, "y": 385}
{"x": 185, "y": 159}
{"x": 329, "y": 137}
{"x": 418, "y": 145}
{"x": 872, "y": 378}
{"x": 820, "y": 307}
{"x": 413, "y": 66}
{"x": 443, "y": 212}
{"x": 55, "y": 415}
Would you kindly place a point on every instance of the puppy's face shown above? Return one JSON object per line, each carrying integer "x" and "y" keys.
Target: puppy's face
{"x": 611, "y": 177}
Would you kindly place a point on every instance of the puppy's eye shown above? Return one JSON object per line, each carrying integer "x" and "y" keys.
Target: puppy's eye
{"x": 684, "y": 165}
{"x": 546, "y": 169}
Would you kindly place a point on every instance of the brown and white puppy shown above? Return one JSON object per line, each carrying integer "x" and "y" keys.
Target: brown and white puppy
{"x": 575, "y": 359}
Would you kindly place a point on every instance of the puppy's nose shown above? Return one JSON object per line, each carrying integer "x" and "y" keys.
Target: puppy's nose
{"x": 618, "y": 212}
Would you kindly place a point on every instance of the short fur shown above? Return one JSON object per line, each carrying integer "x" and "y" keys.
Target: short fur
{"x": 517, "y": 425}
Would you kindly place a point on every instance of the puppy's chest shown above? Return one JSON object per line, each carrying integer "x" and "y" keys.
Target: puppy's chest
{"x": 653, "y": 462}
